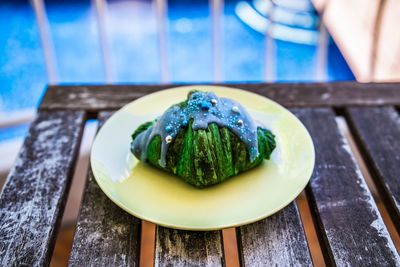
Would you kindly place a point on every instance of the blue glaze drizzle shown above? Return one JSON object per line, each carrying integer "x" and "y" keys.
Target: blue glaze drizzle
{"x": 204, "y": 108}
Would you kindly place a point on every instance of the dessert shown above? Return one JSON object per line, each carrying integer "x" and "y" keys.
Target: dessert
{"x": 204, "y": 140}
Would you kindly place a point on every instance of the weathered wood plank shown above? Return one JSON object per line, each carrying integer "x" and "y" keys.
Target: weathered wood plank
{"x": 276, "y": 241}
{"x": 348, "y": 222}
{"x": 186, "y": 248}
{"x": 33, "y": 198}
{"x": 341, "y": 94}
{"x": 377, "y": 131}
{"x": 105, "y": 234}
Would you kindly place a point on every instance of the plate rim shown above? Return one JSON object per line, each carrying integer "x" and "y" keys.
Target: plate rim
{"x": 201, "y": 228}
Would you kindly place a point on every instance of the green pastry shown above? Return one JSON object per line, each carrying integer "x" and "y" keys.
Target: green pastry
{"x": 203, "y": 140}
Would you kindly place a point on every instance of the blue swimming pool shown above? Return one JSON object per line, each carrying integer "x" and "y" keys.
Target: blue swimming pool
{"x": 133, "y": 43}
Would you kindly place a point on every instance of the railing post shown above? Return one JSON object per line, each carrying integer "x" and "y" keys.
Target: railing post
{"x": 162, "y": 20}
{"x": 217, "y": 11}
{"x": 270, "y": 50}
{"x": 101, "y": 15}
{"x": 46, "y": 41}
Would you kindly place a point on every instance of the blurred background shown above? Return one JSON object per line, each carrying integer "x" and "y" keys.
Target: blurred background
{"x": 181, "y": 41}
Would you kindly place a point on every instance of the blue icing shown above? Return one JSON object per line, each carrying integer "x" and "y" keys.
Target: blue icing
{"x": 204, "y": 108}
{"x": 168, "y": 128}
{"x": 205, "y": 105}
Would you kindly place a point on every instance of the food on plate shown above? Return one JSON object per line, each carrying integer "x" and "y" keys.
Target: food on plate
{"x": 204, "y": 140}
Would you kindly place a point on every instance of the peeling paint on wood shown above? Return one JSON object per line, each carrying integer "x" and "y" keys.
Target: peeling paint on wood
{"x": 187, "y": 248}
{"x": 94, "y": 98}
{"x": 377, "y": 131}
{"x": 33, "y": 198}
{"x": 105, "y": 234}
{"x": 347, "y": 219}
{"x": 278, "y": 240}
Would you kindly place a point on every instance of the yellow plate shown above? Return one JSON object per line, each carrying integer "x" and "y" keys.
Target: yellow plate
{"x": 164, "y": 199}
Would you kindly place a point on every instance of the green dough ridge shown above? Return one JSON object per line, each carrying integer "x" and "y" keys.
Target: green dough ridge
{"x": 206, "y": 157}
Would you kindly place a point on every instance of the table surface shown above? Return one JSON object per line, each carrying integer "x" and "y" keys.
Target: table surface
{"x": 347, "y": 221}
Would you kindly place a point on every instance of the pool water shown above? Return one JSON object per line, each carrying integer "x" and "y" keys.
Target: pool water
{"x": 133, "y": 40}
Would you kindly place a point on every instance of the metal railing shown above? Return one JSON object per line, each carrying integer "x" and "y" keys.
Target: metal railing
{"x": 160, "y": 13}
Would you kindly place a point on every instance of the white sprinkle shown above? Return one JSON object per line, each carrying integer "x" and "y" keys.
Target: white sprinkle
{"x": 240, "y": 122}
{"x": 235, "y": 109}
{"x": 214, "y": 102}
{"x": 168, "y": 139}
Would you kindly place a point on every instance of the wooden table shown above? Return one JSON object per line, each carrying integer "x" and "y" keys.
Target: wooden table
{"x": 348, "y": 224}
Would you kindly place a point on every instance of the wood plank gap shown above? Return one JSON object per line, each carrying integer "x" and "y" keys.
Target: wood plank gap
{"x": 147, "y": 244}
{"x": 93, "y": 114}
{"x": 339, "y": 111}
{"x": 105, "y": 234}
{"x": 230, "y": 247}
{"x": 240, "y": 246}
{"x": 366, "y": 172}
{"x": 65, "y": 236}
{"x": 322, "y": 238}
{"x": 309, "y": 229}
